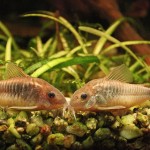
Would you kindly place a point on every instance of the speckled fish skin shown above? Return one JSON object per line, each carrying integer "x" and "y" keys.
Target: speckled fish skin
{"x": 109, "y": 94}
{"x": 29, "y": 93}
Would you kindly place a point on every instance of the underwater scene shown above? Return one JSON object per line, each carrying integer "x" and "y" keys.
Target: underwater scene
{"x": 71, "y": 84}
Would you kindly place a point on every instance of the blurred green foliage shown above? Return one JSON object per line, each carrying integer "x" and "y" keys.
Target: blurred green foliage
{"x": 69, "y": 57}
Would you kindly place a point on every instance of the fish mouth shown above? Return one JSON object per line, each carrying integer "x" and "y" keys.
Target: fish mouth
{"x": 57, "y": 103}
{"x": 82, "y": 105}
{"x": 79, "y": 107}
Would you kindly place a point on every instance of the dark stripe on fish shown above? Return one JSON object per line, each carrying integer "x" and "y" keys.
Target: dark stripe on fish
{"x": 21, "y": 90}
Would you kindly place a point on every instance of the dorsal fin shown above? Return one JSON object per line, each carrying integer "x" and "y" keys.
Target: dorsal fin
{"x": 12, "y": 71}
{"x": 120, "y": 73}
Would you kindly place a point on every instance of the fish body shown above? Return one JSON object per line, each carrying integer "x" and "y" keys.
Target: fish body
{"x": 110, "y": 93}
{"x": 21, "y": 91}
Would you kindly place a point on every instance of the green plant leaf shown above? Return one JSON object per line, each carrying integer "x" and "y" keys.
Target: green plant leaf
{"x": 114, "y": 40}
{"x": 8, "y": 50}
{"x": 48, "y": 65}
{"x": 78, "y": 60}
{"x": 7, "y": 33}
{"x": 47, "y": 45}
{"x": 39, "y": 64}
{"x": 39, "y": 47}
{"x": 61, "y": 20}
{"x": 126, "y": 43}
{"x": 101, "y": 42}
{"x": 64, "y": 62}
{"x": 71, "y": 71}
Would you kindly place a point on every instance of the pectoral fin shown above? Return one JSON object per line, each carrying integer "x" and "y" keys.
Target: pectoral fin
{"x": 91, "y": 102}
{"x": 24, "y": 108}
{"x": 111, "y": 108}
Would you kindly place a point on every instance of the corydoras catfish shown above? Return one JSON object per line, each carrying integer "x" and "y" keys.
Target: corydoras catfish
{"x": 20, "y": 91}
{"x": 113, "y": 92}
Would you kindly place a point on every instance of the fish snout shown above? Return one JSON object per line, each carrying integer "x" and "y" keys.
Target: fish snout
{"x": 77, "y": 103}
{"x": 52, "y": 99}
{"x": 74, "y": 101}
{"x": 59, "y": 99}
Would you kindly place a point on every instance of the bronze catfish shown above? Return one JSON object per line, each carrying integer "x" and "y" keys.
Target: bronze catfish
{"x": 20, "y": 91}
{"x": 113, "y": 92}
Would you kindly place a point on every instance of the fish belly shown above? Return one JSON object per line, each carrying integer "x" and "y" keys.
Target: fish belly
{"x": 7, "y": 100}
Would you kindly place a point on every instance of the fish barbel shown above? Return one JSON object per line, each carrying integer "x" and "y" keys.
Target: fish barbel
{"x": 113, "y": 92}
{"x": 20, "y": 91}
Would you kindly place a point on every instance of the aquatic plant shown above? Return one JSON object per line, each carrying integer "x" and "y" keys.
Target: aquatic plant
{"x": 78, "y": 60}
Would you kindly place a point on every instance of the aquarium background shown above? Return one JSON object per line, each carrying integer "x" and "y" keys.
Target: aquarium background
{"x": 68, "y": 44}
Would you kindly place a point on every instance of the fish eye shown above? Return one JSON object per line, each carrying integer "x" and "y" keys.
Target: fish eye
{"x": 83, "y": 95}
{"x": 51, "y": 94}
